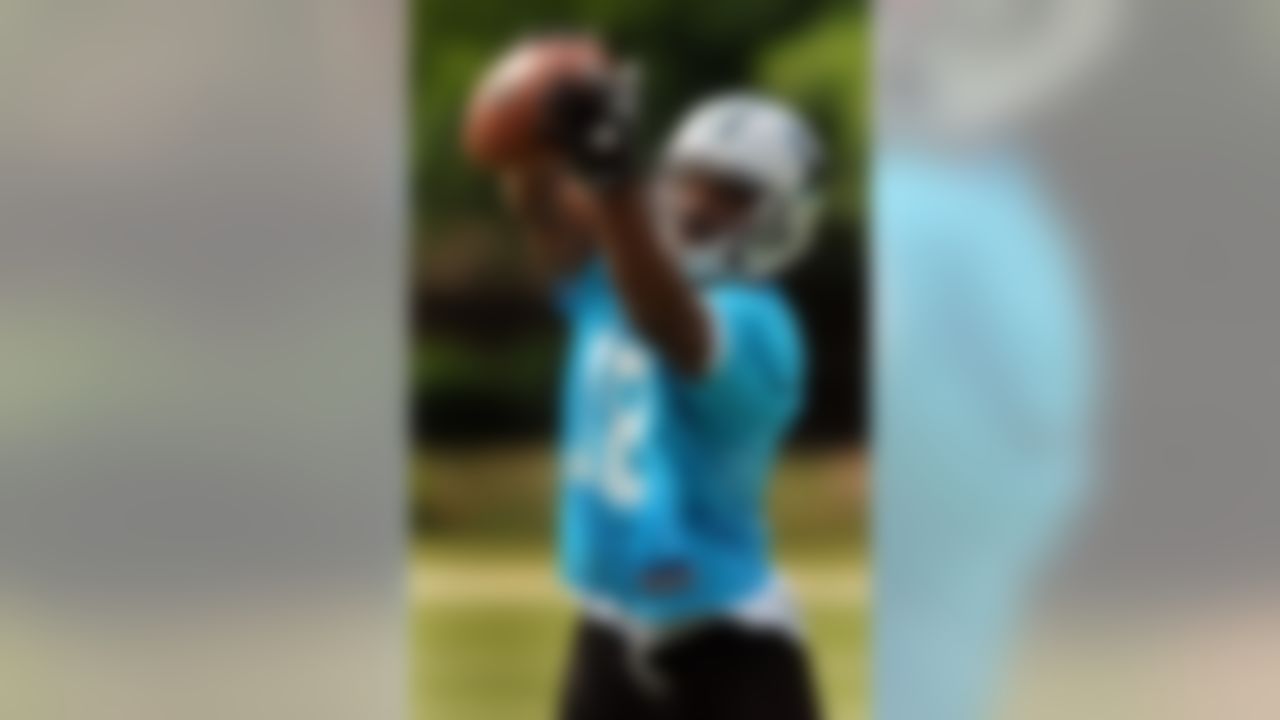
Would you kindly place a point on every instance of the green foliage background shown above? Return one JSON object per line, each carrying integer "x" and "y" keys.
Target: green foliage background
{"x": 811, "y": 52}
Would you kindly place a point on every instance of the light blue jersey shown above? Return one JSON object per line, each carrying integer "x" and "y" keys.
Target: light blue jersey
{"x": 984, "y": 386}
{"x": 663, "y": 478}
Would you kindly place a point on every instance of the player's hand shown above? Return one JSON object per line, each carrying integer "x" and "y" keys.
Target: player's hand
{"x": 591, "y": 124}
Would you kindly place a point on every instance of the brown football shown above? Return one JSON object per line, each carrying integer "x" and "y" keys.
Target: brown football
{"x": 502, "y": 125}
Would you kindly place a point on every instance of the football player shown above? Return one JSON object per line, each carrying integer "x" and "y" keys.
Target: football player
{"x": 684, "y": 373}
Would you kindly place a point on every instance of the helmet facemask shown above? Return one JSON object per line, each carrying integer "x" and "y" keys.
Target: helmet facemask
{"x": 707, "y": 218}
{"x": 768, "y": 237}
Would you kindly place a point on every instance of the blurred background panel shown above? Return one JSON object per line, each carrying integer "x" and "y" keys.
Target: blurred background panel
{"x": 201, "y": 283}
{"x": 1150, "y": 125}
{"x": 490, "y": 619}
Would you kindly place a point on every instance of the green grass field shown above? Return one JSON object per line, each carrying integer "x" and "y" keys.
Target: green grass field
{"x": 491, "y": 624}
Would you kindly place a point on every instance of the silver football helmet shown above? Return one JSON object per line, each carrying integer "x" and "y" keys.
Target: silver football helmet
{"x": 762, "y": 143}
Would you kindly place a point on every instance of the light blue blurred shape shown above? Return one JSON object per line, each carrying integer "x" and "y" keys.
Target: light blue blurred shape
{"x": 985, "y": 381}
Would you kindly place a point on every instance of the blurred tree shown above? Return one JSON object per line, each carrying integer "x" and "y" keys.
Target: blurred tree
{"x": 824, "y": 69}
{"x": 811, "y": 50}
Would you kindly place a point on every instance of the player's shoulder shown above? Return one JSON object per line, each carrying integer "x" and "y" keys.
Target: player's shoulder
{"x": 759, "y": 315}
{"x": 762, "y": 302}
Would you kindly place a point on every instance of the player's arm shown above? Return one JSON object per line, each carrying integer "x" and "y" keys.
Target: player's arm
{"x": 660, "y": 302}
{"x": 591, "y": 127}
{"x": 536, "y": 196}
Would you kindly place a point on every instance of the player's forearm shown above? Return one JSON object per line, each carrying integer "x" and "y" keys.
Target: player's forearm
{"x": 659, "y": 300}
{"x": 558, "y": 247}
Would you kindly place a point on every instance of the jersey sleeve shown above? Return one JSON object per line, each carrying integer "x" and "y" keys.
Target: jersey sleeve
{"x": 581, "y": 288}
{"x": 757, "y": 374}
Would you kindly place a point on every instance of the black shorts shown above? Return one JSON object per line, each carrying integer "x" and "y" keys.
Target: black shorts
{"x": 719, "y": 672}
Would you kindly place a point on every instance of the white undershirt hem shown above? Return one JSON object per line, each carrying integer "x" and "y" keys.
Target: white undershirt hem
{"x": 771, "y": 609}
